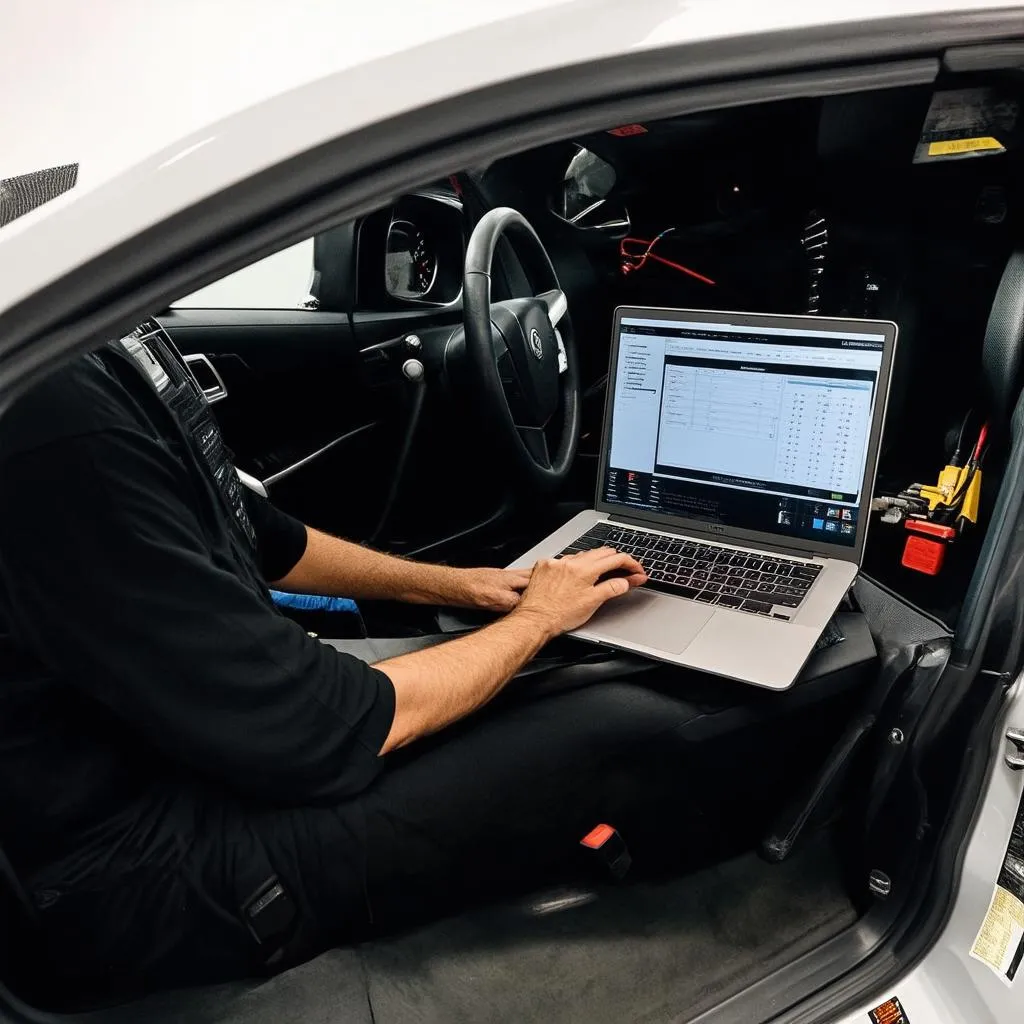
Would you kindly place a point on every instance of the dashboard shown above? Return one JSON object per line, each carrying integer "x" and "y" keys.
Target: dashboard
{"x": 410, "y": 261}
{"x": 411, "y": 254}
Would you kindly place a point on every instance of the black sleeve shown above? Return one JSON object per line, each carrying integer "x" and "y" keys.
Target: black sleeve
{"x": 112, "y": 583}
{"x": 281, "y": 539}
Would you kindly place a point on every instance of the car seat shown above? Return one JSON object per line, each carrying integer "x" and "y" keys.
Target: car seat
{"x": 1002, "y": 355}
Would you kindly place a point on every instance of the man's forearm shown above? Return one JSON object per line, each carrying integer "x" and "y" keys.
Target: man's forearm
{"x": 337, "y": 567}
{"x": 439, "y": 685}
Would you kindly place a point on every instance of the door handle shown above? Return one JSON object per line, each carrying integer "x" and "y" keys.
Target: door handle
{"x": 207, "y": 377}
{"x": 1015, "y": 760}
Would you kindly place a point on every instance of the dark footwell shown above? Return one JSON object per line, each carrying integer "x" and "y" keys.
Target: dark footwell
{"x": 646, "y": 951}
{"x": 640, "y": 952}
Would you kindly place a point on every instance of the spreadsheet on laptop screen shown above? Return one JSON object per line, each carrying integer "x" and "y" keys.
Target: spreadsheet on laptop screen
{"x": 759, "y": 428}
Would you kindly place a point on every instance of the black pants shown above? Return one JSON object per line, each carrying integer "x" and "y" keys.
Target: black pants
{"x": 496, "y": 803}
{"x": 500, "y": 801}
{"x": 493, "y": 804}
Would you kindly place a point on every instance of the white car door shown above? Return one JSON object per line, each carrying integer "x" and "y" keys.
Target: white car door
{"x": 975, "y": 971}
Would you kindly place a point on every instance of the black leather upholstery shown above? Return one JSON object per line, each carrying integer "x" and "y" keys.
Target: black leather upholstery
{"x": 1004, "y": 342}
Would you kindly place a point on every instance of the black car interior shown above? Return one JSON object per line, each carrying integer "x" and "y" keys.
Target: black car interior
{"x": 385, "y": 410}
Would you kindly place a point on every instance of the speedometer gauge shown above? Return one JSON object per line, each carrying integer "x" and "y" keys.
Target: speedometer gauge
{"x": 410, "y": 262}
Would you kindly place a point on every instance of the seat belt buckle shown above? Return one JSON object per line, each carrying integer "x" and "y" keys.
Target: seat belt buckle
{"x": 609, "y": 848}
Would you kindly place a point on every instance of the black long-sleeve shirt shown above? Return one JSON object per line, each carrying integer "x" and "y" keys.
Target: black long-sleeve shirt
{"x": 145, "y": 673}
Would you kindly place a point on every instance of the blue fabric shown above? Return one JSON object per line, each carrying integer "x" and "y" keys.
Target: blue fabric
{"x": 314, "y": 602}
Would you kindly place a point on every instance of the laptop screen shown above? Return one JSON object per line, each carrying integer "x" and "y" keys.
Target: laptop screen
{"x": 752, "y": 427}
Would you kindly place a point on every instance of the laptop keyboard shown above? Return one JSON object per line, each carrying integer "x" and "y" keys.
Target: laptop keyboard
{"x": 763, "y": 585}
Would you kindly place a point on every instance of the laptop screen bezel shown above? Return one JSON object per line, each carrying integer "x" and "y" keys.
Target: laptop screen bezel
{"x": 714, "y": 531}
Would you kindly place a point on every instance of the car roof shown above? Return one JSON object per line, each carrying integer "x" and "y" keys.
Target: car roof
{"x": 162, "y": 105}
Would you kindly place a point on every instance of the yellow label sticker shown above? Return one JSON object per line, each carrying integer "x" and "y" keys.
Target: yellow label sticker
{"x": 951, "y": 147}
{"x": 1002, "y": 932}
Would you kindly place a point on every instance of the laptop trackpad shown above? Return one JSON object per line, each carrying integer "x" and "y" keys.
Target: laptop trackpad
{"x": 648, "y": 619}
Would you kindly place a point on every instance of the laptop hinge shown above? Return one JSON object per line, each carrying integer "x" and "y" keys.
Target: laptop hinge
{"x": 647, "y": 524}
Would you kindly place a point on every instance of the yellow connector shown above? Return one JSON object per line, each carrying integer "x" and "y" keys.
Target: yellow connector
{"x": 948, "y": 485}
{"x": 969, "y": 509}
{"x": 949, "y": 481}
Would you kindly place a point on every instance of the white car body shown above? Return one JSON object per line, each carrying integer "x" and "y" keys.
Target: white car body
{"x": 166, "y": 104}
{"x": 949, "y": 986}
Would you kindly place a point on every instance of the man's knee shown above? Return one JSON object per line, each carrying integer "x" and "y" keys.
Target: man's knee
{"x": 620, "y": 714}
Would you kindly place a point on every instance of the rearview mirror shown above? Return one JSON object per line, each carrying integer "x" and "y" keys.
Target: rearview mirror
{"x": 583, "y": 201}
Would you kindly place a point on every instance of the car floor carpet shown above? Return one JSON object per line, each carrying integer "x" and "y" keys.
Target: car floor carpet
{"x": 645, "y": 951}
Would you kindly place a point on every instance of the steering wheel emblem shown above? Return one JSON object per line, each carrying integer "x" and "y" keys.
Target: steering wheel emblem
{"x": 536, "y": 347}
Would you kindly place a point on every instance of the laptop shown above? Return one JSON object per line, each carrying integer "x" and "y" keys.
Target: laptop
{"x": 737, "y": 463}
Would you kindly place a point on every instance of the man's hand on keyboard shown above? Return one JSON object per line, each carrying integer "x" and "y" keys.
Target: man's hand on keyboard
{"x": 565, "y": 592}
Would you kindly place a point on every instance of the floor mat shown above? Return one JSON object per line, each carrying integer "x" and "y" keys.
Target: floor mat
{"x": 328, "y": 990}
{"x": 642, "y": 952}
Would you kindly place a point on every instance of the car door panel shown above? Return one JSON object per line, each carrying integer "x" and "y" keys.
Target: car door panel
{"x": 300, "y": 412}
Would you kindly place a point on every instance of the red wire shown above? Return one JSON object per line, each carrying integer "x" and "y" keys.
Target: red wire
{"x": 680, "y": 267}
{"x": 982, "y": 437}
{"x": 636, "y": 262}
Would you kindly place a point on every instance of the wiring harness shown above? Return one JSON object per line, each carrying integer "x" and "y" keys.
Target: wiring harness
{"x": 635, "y": 252}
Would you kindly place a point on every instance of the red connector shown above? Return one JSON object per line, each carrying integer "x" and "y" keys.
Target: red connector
{"x": 925, "y": 550}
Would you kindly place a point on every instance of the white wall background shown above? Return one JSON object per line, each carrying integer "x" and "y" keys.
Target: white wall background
{"x": 280, "y": 281}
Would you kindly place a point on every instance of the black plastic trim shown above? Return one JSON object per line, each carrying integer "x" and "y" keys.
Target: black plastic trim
{"x": 334, "y": 262}
{"x": 897, "y": 597}
{"x": 987, "y": 57}
{"x": 198, "y": 318}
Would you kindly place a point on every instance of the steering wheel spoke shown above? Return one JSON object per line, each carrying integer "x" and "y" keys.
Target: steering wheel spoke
{"x": 511, "y": 385}
{"x": 556, "y": 304}
{"x": 536, "y": 443}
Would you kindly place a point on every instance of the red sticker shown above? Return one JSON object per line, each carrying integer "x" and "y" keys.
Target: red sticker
{"x": 890, "y": 1012}
{"x": 625, "y": 130}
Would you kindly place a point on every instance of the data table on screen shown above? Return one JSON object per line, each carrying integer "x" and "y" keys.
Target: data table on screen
{"x": 791, "y": 429}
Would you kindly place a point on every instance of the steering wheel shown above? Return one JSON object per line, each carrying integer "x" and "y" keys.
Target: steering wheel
{"x": 521, "y": 353}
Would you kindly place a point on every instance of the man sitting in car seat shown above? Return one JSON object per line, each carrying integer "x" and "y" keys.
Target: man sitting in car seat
{"x": 196, "y": 788}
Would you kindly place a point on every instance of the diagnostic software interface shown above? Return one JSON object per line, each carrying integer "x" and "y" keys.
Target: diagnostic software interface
{"x": 759, "y": 428}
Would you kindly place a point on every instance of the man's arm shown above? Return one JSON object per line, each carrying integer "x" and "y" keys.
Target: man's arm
{"x": 337, "y": 567}
{"x": 438, "y": 686}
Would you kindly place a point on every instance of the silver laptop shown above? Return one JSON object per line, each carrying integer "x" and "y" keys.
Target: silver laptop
{"x": 737, "y": 464}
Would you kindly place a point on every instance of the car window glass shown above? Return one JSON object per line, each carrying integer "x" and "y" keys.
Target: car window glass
{"x": 281, "y": 281}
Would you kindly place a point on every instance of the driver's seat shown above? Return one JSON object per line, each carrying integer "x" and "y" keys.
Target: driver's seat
{"x": 1002, "y": 354}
